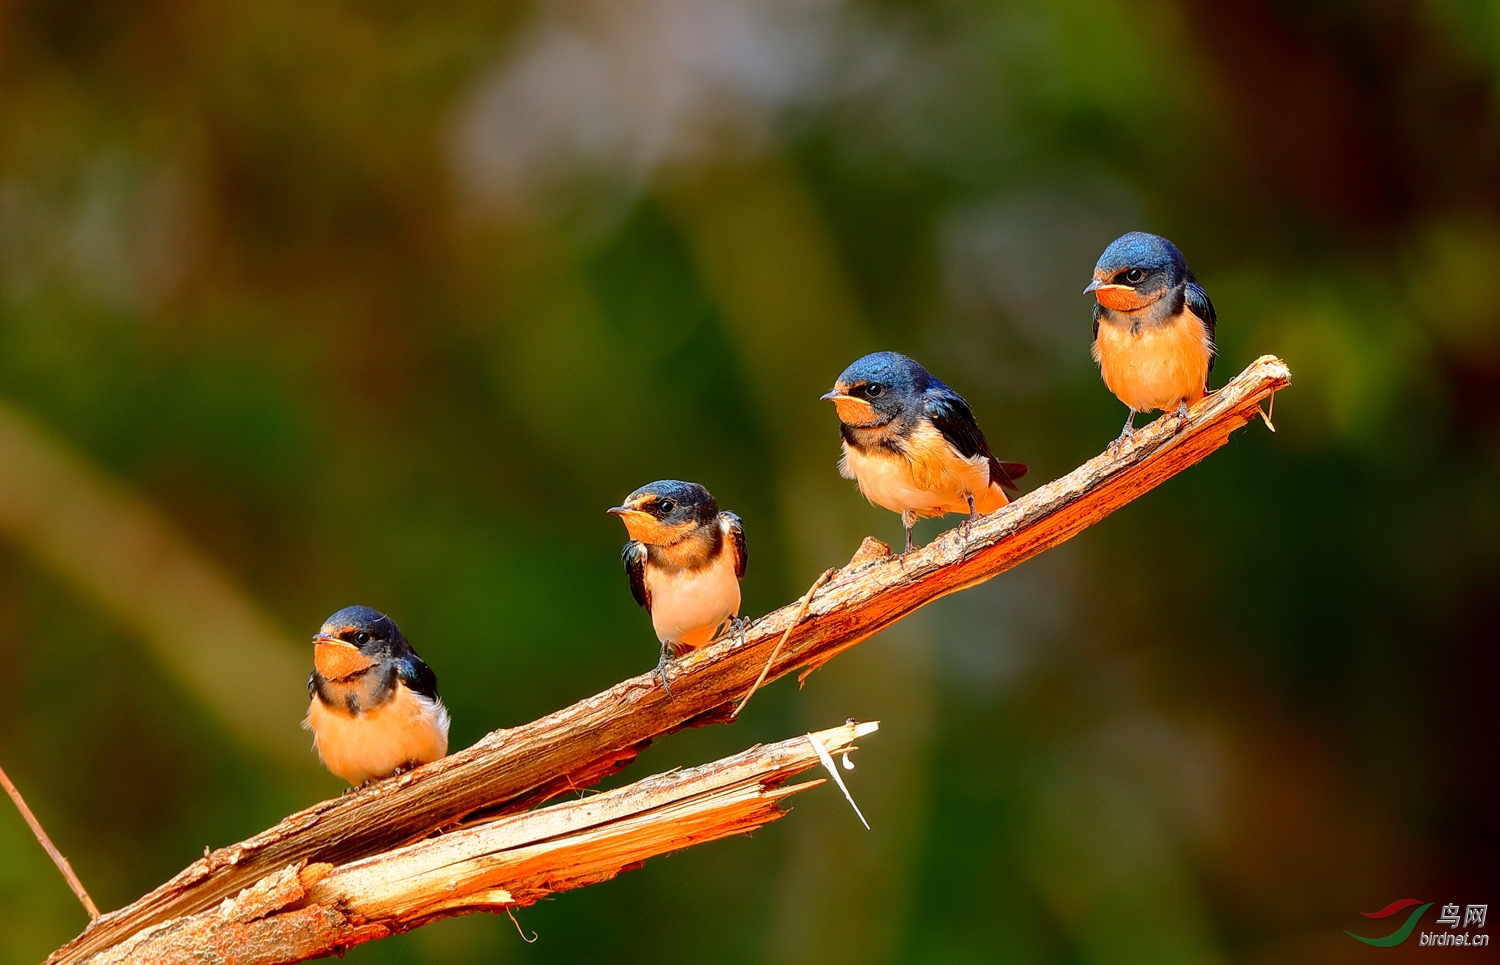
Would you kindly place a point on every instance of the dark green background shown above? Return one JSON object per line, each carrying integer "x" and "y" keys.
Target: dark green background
{"x": 386, "y": 302}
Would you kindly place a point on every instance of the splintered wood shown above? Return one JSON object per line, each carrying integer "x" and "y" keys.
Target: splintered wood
{"x": 307, "y": 910}
{"x": 516, "y": 767}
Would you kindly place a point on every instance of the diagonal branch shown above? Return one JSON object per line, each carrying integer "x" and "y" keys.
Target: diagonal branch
{"x": 574, "y": 747}
{"x": 49, "y": 847}
{"x": 307, "y": 910}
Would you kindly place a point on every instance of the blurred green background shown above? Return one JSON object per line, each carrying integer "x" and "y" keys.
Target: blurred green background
{"x": 310, "y": 304}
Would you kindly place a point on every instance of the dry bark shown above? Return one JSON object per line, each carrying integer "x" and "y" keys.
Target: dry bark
{"x": 307, "y": 910}
{"x": 513, "y": 768}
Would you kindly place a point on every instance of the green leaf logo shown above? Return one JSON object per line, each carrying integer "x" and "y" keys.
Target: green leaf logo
{"x": 1399, "y": 935}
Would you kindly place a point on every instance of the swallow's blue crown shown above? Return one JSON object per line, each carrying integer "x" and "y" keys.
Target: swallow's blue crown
{"x": 902, "y": 375}
{"x": 1151, "y": 253}
{"x": 690, "y": 501}
{"x": 364, "y": 618}
{"x": 685, "y": 493}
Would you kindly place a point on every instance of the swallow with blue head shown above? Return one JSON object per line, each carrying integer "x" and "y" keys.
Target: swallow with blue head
{"x": 913, "y": 445}
{"x": 685, "y": 560}
{"x": 375, "y": 708}
{"x": 1153, "y": 328}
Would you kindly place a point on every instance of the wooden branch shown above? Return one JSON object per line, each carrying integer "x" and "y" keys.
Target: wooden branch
{"x": 513, "y": 768}
{"x": 307, "y": 910}
{"x": 49, "y": 847}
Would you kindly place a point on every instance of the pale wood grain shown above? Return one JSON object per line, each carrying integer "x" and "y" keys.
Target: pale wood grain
{"x": 308, "y": 910}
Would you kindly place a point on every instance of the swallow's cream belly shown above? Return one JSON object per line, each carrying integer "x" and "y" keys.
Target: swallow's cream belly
{"x": 688, "y": 606}
{"x": 408, "y": 729}
{"x": 940, "y": 481}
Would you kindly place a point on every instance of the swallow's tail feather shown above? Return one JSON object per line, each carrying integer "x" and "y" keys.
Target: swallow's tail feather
{"x": 1006, "y": 473}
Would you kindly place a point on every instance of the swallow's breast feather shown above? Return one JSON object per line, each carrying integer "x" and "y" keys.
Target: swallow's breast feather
{"x": 929, "y": 478}
{"x": 688, "y": 606}
{"x": 407, "y": 729}
{"x": 1155, "y": 368}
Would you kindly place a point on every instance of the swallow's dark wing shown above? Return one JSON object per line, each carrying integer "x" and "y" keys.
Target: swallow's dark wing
{"x": 417, "y": 676}
{"x": 1198, "y": 304}
{"x": 312, "y": 684}
{"x": 1098, "y": 313}
{"x": 953, "y": 418}
{"x": 735, "y": 530}
{"x": 634, "y": 559}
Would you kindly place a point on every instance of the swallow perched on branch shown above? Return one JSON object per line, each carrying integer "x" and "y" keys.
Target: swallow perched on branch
{"x": 912, "y": 443}
{"x": 685, "y": 560}
{"x": 1153, "y": 327}
{"x": 375, "y": 708}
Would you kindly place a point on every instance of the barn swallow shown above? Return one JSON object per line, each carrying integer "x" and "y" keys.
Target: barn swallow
{"x": 1153, "y": 327}
{"x": 375, "y": 708}
{"x": 685, "y": 560}
{"x": 912, "y": 443}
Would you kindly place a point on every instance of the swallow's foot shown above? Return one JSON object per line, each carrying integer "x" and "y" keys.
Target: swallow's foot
{"x": 666, "y": 660}
{"x": 966, "y": 528}
{"x": 1126, "y": 434}
{"x": 1182, "y": 417}
{"x": 963, "y": 538}
{"x": 733, "y": 627}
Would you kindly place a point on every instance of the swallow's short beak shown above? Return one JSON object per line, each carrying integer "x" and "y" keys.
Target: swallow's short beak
{"x": 838, "y": 398}
{"x": 1093, "y": 286}
{"x": 324, "y": 639}
{"x": 628, "y": 514}
{"x": 1100, "y": 285}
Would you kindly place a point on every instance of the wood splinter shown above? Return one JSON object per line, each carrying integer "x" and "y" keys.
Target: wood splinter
{"x": 801, "y": 612}
{"x": 49, "y": 847}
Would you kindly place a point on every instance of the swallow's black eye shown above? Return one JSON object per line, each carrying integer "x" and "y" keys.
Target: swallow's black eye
{"x": 1134, "y": 275}
{"x": 874, "y": 390}
{"x": 361, "y": 637}
{"x": 665, "y": 506}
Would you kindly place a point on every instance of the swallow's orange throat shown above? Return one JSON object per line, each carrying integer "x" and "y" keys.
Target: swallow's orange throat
{"x": 854, "y": 411}
{"x": 646, "y": 528}
{"x": 1122, "y": 298}
{"x": 336, "y": 660}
